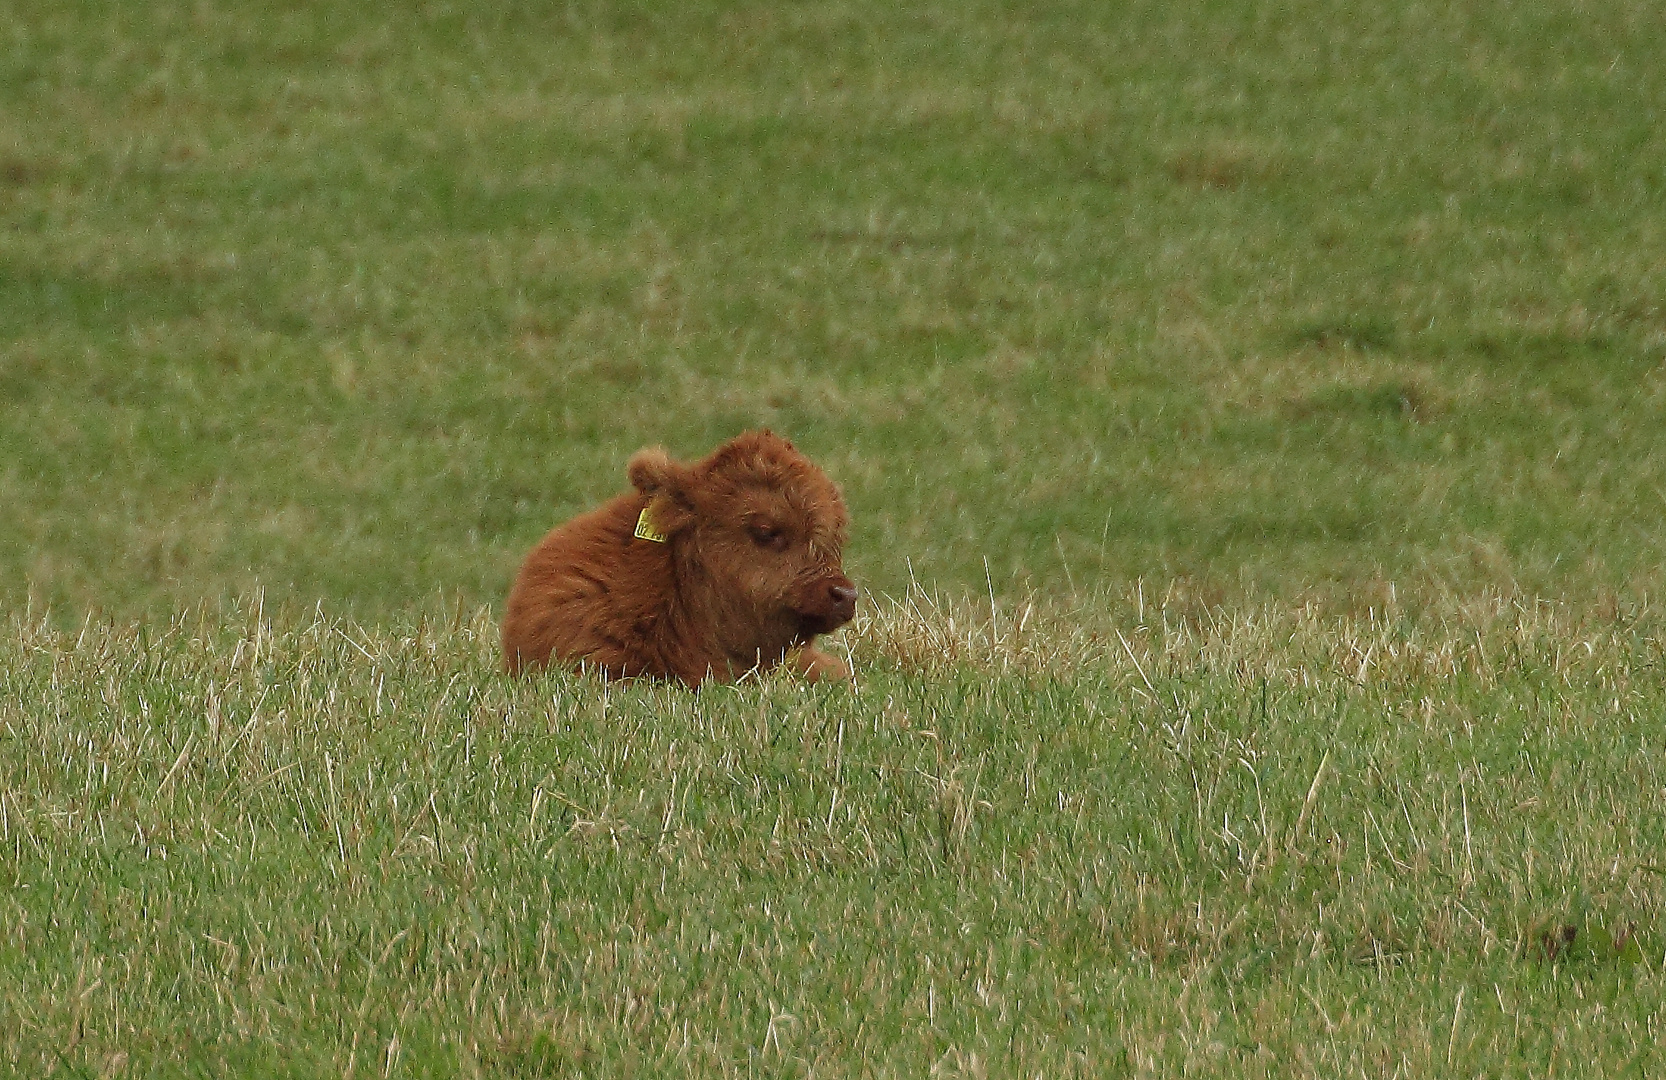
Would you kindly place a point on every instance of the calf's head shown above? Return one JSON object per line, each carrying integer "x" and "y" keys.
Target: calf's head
{"x": 757, "y": 531}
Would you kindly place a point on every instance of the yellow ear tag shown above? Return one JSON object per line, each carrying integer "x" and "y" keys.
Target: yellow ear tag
{"x": 645, "y": 529}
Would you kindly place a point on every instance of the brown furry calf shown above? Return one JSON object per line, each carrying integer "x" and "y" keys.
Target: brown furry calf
{"x": 706, "y": 571}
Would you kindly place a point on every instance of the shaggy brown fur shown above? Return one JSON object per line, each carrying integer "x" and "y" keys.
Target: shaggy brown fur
{"x": 747, "y": 575}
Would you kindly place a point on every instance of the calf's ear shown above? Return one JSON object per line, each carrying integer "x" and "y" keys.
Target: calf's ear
{"x": 665, "y": 482}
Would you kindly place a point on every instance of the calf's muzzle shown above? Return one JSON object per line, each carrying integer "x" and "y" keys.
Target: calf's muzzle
{"x": 826, "y": 605}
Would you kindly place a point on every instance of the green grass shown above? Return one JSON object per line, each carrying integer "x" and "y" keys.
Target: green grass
{"x": 1276, "y": 846}
{"x": 354, "y": 303}
{"x": 1254, "y": 426}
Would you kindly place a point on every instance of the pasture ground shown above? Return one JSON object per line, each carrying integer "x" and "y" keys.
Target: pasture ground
{"x": 1254, "y": 425}
{"x": 1022, "y": 845}
{"x": 356, "y": 302}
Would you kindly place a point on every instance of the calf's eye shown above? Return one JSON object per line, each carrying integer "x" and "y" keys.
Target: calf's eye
{"x": 768, "y": 536}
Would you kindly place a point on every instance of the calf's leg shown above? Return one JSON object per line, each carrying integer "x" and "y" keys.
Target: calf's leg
{"x": 816, "y": 665}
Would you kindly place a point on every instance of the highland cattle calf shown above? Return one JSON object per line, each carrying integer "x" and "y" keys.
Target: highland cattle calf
{"x": 707, "y": 570}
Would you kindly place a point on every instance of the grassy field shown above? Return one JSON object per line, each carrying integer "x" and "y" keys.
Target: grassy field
{"x": 1254, "y": 426}
{"x": 355, "y": 302}
{"x": 1276, "y": 846}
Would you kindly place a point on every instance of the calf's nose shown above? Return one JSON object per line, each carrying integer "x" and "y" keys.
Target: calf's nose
{"x": 843, "y": 597}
